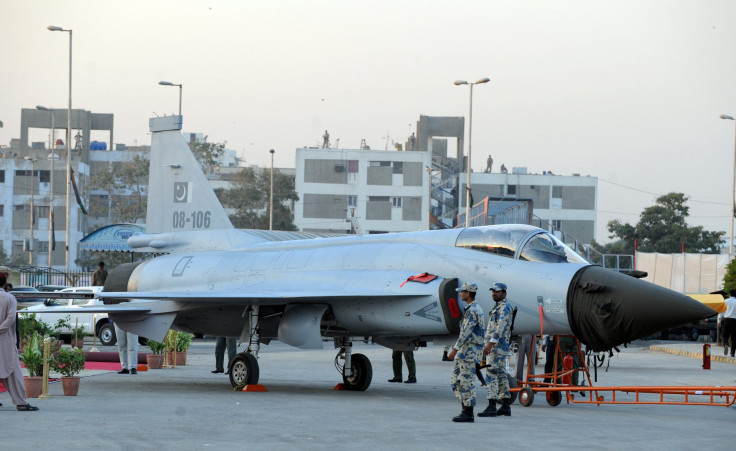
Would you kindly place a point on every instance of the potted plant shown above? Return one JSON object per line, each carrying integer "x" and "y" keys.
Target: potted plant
{"x": 178, "y": 343}
{"x": 78, "y": 336}
{"x": 155, "y": 359}
{"x": 27, "y": 324}
{"x": 32, "y": 358}
{"x": 69, "y": 362}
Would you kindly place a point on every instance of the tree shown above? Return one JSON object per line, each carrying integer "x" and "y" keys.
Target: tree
{"x": 125, "y": 184}
{"x": 663, "y": 228}
{"x": 729, "y": 279}
{"x": 207, "y": 154}
{"x": 249, "y": 197}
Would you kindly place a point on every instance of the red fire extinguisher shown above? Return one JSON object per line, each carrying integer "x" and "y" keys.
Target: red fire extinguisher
{"x": 567, "y": 365}
{"x": 706, "y": 356}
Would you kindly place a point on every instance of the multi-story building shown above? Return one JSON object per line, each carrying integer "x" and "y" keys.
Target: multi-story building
{"x": 387, "y": 191}
{"x": 566, "y": 203}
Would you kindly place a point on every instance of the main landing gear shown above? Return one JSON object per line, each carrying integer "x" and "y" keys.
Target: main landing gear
{"x": 357, "y": 371}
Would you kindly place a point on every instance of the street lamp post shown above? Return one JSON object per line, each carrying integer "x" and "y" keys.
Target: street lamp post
{"x": 30, "y": 222}
{"x": 470, "y": 139}
{"x": 168, "y": 83}
{"x": 51, "y": 178}
{"x": 68, "y": 146}
{"x": 733, "y": 190}
{"x": 270, "y": 196}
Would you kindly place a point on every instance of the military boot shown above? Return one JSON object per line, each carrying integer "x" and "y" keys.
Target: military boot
{"x": 505, "y": 407}
{"x": 466, "y": 416}
{"x": 490, "y": 410}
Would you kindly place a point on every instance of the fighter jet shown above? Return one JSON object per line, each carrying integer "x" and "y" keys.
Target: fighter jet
{"x": 398, "y": 289}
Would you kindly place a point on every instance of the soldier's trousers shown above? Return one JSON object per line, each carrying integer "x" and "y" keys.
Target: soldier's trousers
{"x": 462, "y": 382}
{"x": 496, "y": 381}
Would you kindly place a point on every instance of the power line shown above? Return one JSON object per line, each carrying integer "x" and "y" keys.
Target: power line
{"x": 659, "y": 194}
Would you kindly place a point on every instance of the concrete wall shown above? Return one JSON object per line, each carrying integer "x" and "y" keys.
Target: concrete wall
{"x": 411, "y": 209}
{"x": 324, "y": 171}
{"x": 581, "y": 230}
{"x": 380, "y": 175}
{"x": 380, "y": 209}
{"x": 413, "y": 174}
{"x": 578, "y": 197}
{"x": 326, "y": 206}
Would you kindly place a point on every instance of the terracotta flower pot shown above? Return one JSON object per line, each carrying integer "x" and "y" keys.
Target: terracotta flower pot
{"x": 70, "y": 385}
{"x": 33, "y": 386}
{"x": 78, "y": 343}
{"x": 181, "y": 358}
{"x": 155, "y": 361}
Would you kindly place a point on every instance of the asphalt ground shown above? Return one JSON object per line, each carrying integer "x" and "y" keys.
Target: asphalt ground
{"x": 190, "y": 408}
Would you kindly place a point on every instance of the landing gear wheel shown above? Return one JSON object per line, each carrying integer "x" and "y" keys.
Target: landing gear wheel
{"x": 554, "y": 398}
{"x": 244, "y": 370}
{"x": 693, "y": 334}
{"x": 107, "y": 334}
{"x": 526, "y": 397}
{"x": 512, "y": 384}
{"x": 362, "y": 374}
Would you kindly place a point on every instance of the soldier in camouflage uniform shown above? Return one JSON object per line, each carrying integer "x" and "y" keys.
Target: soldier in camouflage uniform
{"x": 467, "y": 349}
{"x": 498, "y": 340}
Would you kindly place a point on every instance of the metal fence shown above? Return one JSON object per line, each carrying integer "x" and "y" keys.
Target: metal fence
{"x": 34, "y": 276}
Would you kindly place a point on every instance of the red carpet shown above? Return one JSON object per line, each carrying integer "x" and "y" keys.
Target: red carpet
{"x": 99, "y": 366}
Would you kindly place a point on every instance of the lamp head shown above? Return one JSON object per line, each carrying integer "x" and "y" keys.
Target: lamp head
{"x": 726, "y": 116}
{"x": 54, "y": 28}
{"x": 459, "y": 82}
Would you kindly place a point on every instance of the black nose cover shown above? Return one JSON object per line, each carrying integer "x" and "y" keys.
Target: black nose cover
{"x": 606, "y": 308}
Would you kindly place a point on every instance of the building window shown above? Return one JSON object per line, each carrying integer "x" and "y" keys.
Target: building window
{"x": 21, "y": 208}
{"x": 42, "y": 211}
{"x": 556, "y": 199}
{"x": 2, "y": 211}
{"x": 352, "y": 201}
{"x": 556, "y": 224}
{"x": 398, "y": 167}
{"x": 2, "y": 176}
{"x": 380, "y": 163}
{"x": 44, "y": 176}
{"x": 396, "y": 202}
{"x": 23, "y": 173}
{"x": 353, "y": 171}
{"x": 512, "y": 190}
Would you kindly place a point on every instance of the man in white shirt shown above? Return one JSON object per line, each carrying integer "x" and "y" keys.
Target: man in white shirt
{"x": 729, "y": 323}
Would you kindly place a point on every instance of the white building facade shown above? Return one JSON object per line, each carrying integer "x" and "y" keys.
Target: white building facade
{"x": 567, "y": 203}
{"x": 387, "y": 191}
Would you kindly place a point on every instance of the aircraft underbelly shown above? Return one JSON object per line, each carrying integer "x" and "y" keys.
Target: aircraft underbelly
{"x": 391, "y": 317}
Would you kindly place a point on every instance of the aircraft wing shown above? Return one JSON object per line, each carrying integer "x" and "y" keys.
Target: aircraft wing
{"x": 268, "y": 297}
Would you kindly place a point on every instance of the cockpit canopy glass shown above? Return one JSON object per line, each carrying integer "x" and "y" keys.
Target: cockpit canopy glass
{"x": 506, "y": 240}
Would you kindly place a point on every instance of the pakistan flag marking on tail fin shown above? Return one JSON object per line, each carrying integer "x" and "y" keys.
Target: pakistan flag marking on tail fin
{"x": 431, "y": 312}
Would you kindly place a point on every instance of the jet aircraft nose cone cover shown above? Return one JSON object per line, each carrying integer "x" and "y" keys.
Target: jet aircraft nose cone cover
{"x": 606, "y": 308}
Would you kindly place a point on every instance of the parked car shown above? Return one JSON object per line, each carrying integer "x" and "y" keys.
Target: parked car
{"x": 693, "y": 331}
{"x": 51, "y": 288}
{"x": 98, "y": 322}
{"x": 25, "y": 303}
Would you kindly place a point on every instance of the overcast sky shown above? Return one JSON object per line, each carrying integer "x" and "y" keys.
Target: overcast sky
{"x": 628, "y": 91}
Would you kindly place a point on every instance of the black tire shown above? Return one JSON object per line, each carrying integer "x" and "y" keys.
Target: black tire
{"x": 244, "y": 370}
{"x": 512, "y": 384}
{"x": 526, "y": 396}
{"x": 693, "y": 333}
{"x": 554, "y": 398}
{"x": 362, "y": 374}
{"x": 106, "y": 334}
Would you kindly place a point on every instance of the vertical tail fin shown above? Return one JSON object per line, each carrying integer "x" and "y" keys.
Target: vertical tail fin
{"x": 180, "y": 197}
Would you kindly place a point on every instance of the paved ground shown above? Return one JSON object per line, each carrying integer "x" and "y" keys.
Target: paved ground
{"x": 190, "y": 408}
